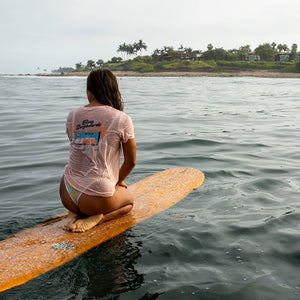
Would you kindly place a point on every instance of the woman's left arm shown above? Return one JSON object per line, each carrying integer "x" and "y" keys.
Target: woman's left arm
{"x": 129, "y": 151}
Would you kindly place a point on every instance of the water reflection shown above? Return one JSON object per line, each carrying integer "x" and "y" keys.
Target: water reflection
{"x": 104, "y": 272}
{"x": 109, "y": 269}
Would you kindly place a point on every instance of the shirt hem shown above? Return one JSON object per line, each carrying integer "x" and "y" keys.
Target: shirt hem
{"x": 86, "y": 192}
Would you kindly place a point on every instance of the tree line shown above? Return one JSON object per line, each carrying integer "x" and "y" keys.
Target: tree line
{"x": 266, "y": 52}
{"x": 132, "y": 49}
{"x": 127, "y": 50}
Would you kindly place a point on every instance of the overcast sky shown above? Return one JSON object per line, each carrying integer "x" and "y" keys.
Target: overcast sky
{"x": 60, "y": 33}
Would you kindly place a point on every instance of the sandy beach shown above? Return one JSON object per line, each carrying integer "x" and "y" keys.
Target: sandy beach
{"x": 256, "y": 73}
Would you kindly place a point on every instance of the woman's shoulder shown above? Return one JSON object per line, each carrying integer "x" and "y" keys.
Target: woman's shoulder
{"x": 75, "y": 113}
{"x": 74, "y": 110}
{"x": 107, "y": 111}
{"x": 79, "y": 110}
{"x": 119, "y": 113}
{"x": 126, "y": 119}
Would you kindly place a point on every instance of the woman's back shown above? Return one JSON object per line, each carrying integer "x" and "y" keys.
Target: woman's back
{"x": 92, "y": 187}
{"x": 95, "y": 134}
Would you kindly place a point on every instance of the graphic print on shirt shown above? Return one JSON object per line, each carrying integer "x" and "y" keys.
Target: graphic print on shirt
{"x": 88, "y": 137}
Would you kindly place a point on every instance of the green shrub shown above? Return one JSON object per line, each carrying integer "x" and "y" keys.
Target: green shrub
{"x": 145, "y": 64}
{"x": 288, "y": 68}
{"x": 147, "y": 59}
{"x": 137, "y": 66}
{"x": 144, "y": 68}
{"x": 183, "y": 65}
{"x": 257, "y": 65}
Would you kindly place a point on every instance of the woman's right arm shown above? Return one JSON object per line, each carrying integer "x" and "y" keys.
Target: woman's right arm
{"x": 129, "y": 151}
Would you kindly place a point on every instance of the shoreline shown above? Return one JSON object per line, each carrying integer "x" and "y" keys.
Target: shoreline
{"x": 256, "y": 73}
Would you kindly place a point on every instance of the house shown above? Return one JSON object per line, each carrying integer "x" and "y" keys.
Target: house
{"x": 283, "y": 56}
{"x": 252, "y": 56}
{"x": 196, "y": 55}
{"x": 297, "y": 57}
{"x": 172, "y": 55}
{"x": 287, "y": 56}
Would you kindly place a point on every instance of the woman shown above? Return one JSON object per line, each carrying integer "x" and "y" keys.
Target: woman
{"x": 92, "y": 187}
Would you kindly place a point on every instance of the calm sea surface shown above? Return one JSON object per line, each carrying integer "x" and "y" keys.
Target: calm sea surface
{"x": 236, "y": 237}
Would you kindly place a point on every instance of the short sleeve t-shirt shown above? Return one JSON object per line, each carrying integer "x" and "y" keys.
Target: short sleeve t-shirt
{"x": 95, "y": 135}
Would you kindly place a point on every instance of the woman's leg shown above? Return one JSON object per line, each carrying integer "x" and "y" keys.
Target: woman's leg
{"x": 66, "y": 199}
{"x": 93, "y": 205}
{"x": 74, "y": 212}
{"x": 99, "y": 209}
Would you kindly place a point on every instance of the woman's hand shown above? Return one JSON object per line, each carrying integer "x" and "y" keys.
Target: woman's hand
{"x": 122, "y": 184}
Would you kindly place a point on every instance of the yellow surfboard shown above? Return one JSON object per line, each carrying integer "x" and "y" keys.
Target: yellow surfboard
{"x": 46, "y": 246}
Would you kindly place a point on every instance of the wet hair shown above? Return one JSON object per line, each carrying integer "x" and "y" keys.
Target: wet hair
{"x": 102, "y": 83}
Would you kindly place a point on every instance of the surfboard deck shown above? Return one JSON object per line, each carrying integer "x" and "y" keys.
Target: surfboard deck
{"x": 46, "y": 246}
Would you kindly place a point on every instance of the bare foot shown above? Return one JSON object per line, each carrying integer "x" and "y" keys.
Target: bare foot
{"x": 82, "y": 225}
{"x": 72, "y": 218}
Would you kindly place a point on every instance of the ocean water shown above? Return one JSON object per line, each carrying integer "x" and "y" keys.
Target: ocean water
{"x": 235, "y": 237}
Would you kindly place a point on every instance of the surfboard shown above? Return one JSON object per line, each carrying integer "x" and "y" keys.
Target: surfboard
{"x": 47, "y": 246}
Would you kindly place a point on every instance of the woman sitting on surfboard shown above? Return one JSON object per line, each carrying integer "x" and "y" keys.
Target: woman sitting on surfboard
{"x": 92, "y": 187}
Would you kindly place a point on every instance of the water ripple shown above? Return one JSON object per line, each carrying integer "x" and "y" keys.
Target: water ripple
{"x": 236, "y": 237}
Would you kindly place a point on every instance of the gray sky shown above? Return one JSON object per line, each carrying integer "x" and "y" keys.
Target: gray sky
{"x": 60, "y": 33}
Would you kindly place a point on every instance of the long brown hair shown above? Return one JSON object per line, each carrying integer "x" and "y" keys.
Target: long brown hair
{"x": 102, "y": 83}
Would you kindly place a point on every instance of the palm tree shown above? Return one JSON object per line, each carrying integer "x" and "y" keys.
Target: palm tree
{"x": 285, "y": 47}
{"x": 188, "y": 50}
{"x": 141, "y": 46}
{"x": 129, "y": 49}
{"x": 79, "y": 66}
{"x": 156, "y": 52}
{"x": 245, "y": 49}
{"x": 167, "y": 49}
{"x": 132, "y": 49}
{"x": 273, "y": 45}
{"x": 99, "y": 62}
{"x": 122, "y": 48}
{"x": 136, "y": 48}
{"x": 210, "y": 47}
{"x": 280, "y": 47}
{"x": 90, "y": 64}
{"x": 294, "y": 48}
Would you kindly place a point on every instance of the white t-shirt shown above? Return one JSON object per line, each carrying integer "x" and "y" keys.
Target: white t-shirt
{"x": 95, "y": 135}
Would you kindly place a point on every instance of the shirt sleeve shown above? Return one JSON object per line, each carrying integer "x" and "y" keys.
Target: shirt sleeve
{"x": 127, "y": 130}
{"x": 69, "y": 125}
